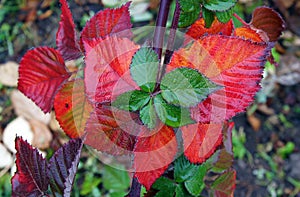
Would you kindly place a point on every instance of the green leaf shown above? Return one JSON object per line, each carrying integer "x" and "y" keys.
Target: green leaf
{"x": 171, "y": 115}
{"x": 196, "y": 184}
{"x": 181, "y": 191}
{"x": 225, "y": 16}
{"x": 189, "y": 12}
{"x": 208, "y": 16}
{"x": 165, "y": 186}
{"x": 219, "y": 5}
{"x": 115, "y": 180}
{"x": 144, "y": 68}
{"x": 132, "y": 100}
{"x": 148, "y": 115}
{"x": 183, "y": 169}
{"x": 186, "y": 87}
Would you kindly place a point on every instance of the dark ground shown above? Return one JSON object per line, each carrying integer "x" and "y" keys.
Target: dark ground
{"x": 263, "y": 170}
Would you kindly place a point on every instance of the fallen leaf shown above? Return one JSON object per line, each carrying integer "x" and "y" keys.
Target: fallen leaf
{"x": 254, "y": 122}
{"x": 9, "y": 74}
{"x": 42, "y": 135}
{"x": 6, "y": 158}
{"x": 27, "y": 108}
{"x": 17, "y": 127}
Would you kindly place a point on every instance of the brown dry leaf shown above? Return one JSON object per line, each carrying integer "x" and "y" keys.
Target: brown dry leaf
{"x": 42, "y": 135}
{"x": 9, "y": 74}
{"x": 27, "y": 108}
{"x": 254, "y": 122}
{"x": 265, "y": 109}
{"x": 45, "y": 15}
{"x": 17, "y": 127}
{"x": 288, "y": 72}
{"x": 6, "y": 158}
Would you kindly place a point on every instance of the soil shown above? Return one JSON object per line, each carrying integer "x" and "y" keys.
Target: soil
{"x": 273, "y": 133}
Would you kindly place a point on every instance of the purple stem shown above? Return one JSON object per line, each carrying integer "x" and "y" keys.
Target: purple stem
{"x": 135, "y": 190}
{"x": 161, "y": 22}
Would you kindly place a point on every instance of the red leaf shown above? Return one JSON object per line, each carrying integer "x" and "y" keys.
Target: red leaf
{"x": 108, "y": 22}
{"x": 201, "y": 140}
{"x": 269, "y": 21}
{"x": 41, "y": 73}
{"x": 72, "y": 108}
{"x": 30, "y": 178}
{"x": 66, "y": 38}
{"x": 198, "y": 29}
{"x": 224, "y": 185}
{"x": 63, "y": 167}
{"x": 153, "y": 153}
{"x": 112, "y": 130}
{"x": 251, "y": 34}
{"x": 231, "y": 62}
{"x": 107, "y": 72}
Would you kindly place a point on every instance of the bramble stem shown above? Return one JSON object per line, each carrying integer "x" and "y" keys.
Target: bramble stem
{"x": 135, "y": 190}
{"x": 161, "y": 22}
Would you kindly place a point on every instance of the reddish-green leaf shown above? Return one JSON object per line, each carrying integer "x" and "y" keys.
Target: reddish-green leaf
{"x": 251, "y": 34}
{"x": 30, "y": 178}
{"x": 66, "y": 38}
{"x": 63, "y": 166}
{"x": 224, "y": 185}
{"x": 107, "y": 72}
{"x": 112, "y": 130}
{"x": 41, "y": 73}
{"x": 154, "y": 151}
{"x": 108, "y": 22}
{"x": 269, "y": 21}
{"x": 198, "y": 29}
{"x": 201, "y": 140}
{"x": 72, "y": 108}
{"x": 234, "y": 63}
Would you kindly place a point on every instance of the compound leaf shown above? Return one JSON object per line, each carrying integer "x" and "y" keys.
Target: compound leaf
{"x": 200, "y": 141}
{"x": 239, "y": 73}
{"x": 144, "y": 68}
{"x": 186, "y": 87}
{"x": 171, "y": 115}
{"x": 42, "y": 71}
{"x": 72, "y": 108}
{"x": 63, "y": 166}
{"x": 30, "y": 178}
{"x": 154, "y": 151}
{"x": 66, "y": 38}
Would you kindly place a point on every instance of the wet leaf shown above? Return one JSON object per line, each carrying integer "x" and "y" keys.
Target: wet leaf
{"x": 66, "y": 38}
{"x": 63, "y": 167}
{"x": 144, "y": 69}
{"x": 186, "y": 87}
{"x": 72, "y": 108}
{"x": 42, "y": 72}
{"x": 154, "y": 151}
{"x": 31, "y": 176}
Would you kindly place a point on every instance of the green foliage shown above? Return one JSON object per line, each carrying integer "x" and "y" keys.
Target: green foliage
{"x": 132, "y": 100}
{"x": 286, "y": 150}
{"x": 186, "y": 87}
{"x": 219, "y": 5}
{"x": 5, "y": 185}
{"x": 144, "y": 69}
{"x": 148, "y": 115}
{"x": 189, "y": 12}
{"x": 225, "y": 16}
